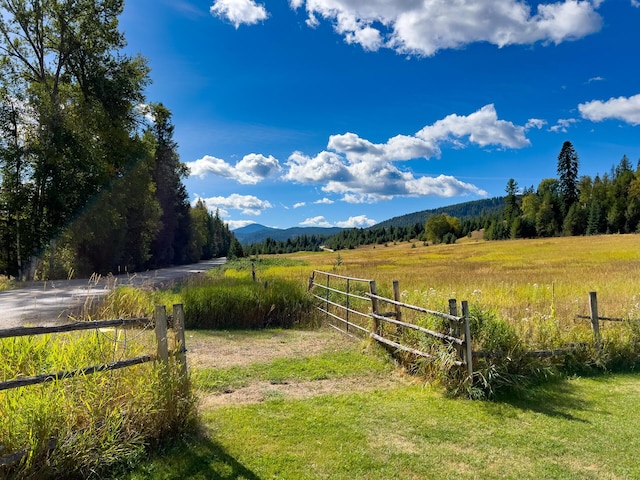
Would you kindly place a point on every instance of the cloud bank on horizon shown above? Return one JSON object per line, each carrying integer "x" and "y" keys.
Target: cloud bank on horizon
{"x": 357, "y": 170}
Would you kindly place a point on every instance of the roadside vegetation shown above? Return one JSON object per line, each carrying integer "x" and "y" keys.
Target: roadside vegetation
{"x": 86, "y": 426}
{"x": 6, "y": 283}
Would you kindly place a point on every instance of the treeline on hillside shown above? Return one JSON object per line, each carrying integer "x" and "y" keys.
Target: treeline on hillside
{"x": 301, "y": 243}
{"x": 90, "y": 176}
{"x": 567, "y": 205}
{"x": 572, "y": 204}
{"x": 464, "y": 211}
{"x": 356, "y": 237}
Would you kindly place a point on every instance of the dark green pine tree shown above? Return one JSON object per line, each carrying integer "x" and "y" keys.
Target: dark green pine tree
{"x": 171, "y": 245}
{"x": 568, "y": 176}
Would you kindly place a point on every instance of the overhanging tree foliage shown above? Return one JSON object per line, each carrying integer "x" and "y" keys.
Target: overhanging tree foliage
{"x": 84, "y": 186}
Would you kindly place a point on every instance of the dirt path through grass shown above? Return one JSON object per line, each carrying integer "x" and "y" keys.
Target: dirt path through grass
{"x": 223, "y": 350}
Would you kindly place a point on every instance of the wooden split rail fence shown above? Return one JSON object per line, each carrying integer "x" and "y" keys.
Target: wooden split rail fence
{"x": 355, "y": 308}
{"x": 159, "y": 322}
{"x": 160, "y": 325}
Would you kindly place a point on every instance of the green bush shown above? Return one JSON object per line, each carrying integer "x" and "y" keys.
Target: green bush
{"x": 239, "y": 303}
{"x": 86, "y": 426}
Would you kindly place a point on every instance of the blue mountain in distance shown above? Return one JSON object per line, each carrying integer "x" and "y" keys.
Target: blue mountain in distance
{"x": 256, "y": 233}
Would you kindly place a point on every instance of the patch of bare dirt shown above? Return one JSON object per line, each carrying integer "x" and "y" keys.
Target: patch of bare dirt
{"x": 260, "y": 391}
{"x": 226, "y": 349}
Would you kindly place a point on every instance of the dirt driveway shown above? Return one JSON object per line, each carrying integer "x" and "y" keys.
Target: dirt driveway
{"x": 228, "y": 349}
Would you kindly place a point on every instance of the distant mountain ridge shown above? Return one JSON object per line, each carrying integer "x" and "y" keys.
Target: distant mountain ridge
{"x": 463, "y": 211}
{"x": 256, "y": 233}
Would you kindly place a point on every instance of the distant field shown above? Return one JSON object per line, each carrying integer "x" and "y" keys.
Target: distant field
{"x": 519, "y": 278}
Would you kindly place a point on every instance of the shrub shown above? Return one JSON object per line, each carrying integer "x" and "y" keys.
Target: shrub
{"x": 239, "y": 303}
{"x": 89, "y": 425}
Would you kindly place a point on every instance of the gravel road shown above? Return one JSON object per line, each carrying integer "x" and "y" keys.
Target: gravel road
{"x": 43, "y": 303}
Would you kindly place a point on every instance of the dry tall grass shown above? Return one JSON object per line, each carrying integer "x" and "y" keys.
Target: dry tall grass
{"x": 517, "y": 277}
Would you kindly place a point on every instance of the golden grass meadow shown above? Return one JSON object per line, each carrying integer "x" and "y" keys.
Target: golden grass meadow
{"x": 518, "y": 278}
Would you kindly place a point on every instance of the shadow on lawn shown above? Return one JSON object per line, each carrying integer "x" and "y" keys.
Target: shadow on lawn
{"x": 560, "y": 399}
{"x": 193, "y": 457}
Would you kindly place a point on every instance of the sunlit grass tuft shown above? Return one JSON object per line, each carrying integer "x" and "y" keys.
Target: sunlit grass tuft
{"x": 85, "y": 425}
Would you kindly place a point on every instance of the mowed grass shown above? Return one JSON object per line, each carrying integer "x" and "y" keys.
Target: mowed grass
{"x": 328, "y": 365}
{"x": 575, "y": 429}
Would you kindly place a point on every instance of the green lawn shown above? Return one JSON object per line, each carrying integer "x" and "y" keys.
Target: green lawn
{"x": 583, "y": 428}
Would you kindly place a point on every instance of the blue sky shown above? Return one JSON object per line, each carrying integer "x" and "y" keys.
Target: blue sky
{"x": 350, "y": 112}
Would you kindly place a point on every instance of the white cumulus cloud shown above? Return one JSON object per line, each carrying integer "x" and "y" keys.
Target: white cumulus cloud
{"x": 535, "y": 123}
{"x": 324, "y": 201}
{"x": 246, "y": 204}
{"x": 365, "y": 172}
{"x": 299, "y": 204}
{"x": 359, "y": 221}
{"x": 252, "y": 169}
{"x": 621, "y": 108}
{"x": 427, "y": 26}
{"x": 563, "y": 125}
{"x": 318, "y": 169}
{"x": 239, "y": 12}
{"x": 318, "y": 221}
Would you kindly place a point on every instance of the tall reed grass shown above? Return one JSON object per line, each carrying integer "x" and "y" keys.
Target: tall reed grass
{"x": 6, "y": 283}
{"x": 80, "y": 427}
{"x": 241, "y": 303}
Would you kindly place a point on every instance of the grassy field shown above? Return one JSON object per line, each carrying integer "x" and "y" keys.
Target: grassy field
{"x": 363, "y": 427}
{"x": 579, "y": 428}
{"x": 519, "y": 278}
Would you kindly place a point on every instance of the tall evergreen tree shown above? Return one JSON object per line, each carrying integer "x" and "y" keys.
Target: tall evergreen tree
{"x": 568, "y": 176}
{"x": 171, "y": 244}
{"x": 60, "y": 61}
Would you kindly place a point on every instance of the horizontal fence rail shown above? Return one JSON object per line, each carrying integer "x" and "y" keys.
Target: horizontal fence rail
{"x": 336, "y": 298}
{"x": 71, "y": 327}
{"x": 53, "y": 377}
{"x": 159, "y": 322}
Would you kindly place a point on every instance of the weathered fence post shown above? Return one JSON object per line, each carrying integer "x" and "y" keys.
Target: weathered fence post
{"x": 311, "y": 280}
{"x": 161, "y": 333}
{"x": 347, "y": 309}
{"x": 374, "y": 307}
{"x": 468, "y": 352}
{"x": 181, "y": 345}
{"x": 454, "y": 327}
{"x": 595, "y": 322}
{"x": 396, "y": 297}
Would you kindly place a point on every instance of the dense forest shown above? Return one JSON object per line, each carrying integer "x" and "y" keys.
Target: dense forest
{"x": 90, "y": 176}
{"x": 571, "y": 204}
{"x": 567, "y": 205}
